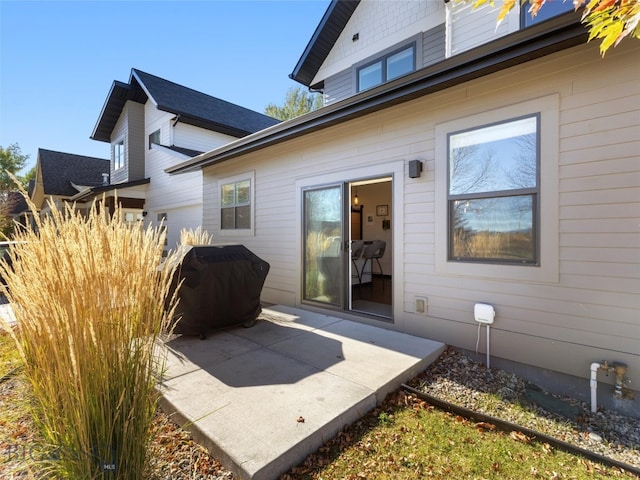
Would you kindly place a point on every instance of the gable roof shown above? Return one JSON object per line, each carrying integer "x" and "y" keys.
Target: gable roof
{"x": 559, "y": 33}
{"x": 189, "y": 106}
{"x": 322, "y": 41}
{"x": 59, "y": 170}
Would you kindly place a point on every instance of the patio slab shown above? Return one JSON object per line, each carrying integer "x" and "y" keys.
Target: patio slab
{"x": 261, "y": 399}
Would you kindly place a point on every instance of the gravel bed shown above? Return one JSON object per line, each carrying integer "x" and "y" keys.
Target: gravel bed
{"x": 458, "y": 380}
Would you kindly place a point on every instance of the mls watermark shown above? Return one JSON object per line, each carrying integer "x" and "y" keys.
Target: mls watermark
{"x": 37, "y": 452}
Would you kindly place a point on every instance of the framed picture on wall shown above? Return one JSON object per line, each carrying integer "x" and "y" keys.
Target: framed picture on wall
{"x": 382, "y": 210}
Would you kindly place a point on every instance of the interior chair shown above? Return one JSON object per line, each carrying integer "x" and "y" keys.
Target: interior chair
{"x": 357, "y": 247}
{"x": 373, "y": 251}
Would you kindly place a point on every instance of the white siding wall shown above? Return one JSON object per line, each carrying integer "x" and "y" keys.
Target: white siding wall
{"x": 468, "y": 27}
{"x": 380, "y": 25}
{"x": 588, "y": 311}
{"x": 180, "y": 196}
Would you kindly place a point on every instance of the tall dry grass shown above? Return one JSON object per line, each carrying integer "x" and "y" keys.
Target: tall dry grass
{"x": 89, "y": 298}
{"x": 195, "y": 237}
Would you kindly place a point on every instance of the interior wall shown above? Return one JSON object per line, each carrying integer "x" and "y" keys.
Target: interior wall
{"x": 370, "y": 197}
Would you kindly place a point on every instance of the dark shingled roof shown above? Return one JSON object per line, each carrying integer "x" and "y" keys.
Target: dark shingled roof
{"x": 16, "y": 203}
{"x": 189, "y": 106}
{"x": 324, "y": 38}
{"x": 60, "y": 169}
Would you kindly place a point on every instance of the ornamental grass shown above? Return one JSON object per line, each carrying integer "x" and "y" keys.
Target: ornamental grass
{"x": 90, "y": 302}
{"x": 199, "y": 236}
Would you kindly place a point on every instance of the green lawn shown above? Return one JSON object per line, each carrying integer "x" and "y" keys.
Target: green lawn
{"x": 407, "y": 438}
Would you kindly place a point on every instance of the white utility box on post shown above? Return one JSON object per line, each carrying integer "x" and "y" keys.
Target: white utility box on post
{"x": 484, "y": 313}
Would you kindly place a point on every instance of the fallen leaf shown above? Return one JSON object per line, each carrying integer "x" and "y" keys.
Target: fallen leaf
{"x": 300, "y": 419}
{"x": 520, "y": 437}
{"x": 485, "y": 426}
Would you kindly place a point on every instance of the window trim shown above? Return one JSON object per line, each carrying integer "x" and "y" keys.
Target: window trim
{"x": 494, "y": 194}
{"x": 123, "y": 158}
{"x": 547, "y": 269}
{"x": 235, "y": 179}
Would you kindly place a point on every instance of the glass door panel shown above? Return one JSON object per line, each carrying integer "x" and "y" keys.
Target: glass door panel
{"x": 323, "y": 279}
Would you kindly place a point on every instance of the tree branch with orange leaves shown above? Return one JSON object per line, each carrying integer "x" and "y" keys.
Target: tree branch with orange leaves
{"x": 607, "y": 20}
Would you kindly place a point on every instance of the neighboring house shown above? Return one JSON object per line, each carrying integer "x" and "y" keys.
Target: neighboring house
{"x": 18, "y": 209}
{"x": 504, "y": 163}
{"x": 60, "y": 177}
{"x": 153, "y": 124}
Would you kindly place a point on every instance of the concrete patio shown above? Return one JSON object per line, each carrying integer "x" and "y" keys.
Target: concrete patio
{"x": 261, "y": 399}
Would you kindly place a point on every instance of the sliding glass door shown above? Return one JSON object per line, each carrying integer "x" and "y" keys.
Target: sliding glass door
{"x": 323, "y": 245}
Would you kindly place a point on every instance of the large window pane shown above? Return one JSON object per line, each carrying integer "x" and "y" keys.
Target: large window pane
{"x": 400, "y": 63}
{"x": 323, "y": 261}
{"x": 494, "y": 229}
{"x": 370, "y": 76}
{"x": 495, "y": 158}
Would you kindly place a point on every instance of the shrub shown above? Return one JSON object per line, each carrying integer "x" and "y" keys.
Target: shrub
{"x": 89, "y": 298}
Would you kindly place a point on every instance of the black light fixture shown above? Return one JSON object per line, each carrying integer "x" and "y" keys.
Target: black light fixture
{"x": 355, "y": 199}
{"x": 415, "y": 168}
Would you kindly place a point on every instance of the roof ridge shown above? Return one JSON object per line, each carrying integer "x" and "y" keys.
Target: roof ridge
{"x": 72, "y": 154}
{"x": 195, "y": 91}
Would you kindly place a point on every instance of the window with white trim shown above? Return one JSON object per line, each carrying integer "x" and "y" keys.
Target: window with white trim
{"x": 236, "y": 203}
{"x": 118, "y": 155}
{"x": 493, "y": 192}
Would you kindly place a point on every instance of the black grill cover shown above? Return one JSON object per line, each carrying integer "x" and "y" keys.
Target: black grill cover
{"x": 221, "y": 286}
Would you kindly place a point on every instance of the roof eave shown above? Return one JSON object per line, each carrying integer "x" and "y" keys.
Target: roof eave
{"x": 98, "y": 133}
{"x": 554, "y": 35}
{"x": 204, "y": 123}
{"x": 92, "y": 192}
{"x": 324, "y": 37}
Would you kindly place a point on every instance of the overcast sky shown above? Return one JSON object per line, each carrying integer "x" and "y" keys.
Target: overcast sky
{"x": 59, "y": 59}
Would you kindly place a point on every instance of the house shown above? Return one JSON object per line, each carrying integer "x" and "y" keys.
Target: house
{"x": 61, "y": 176}
{"x": 501, "y": 167}
{"x": 152, "y": 124}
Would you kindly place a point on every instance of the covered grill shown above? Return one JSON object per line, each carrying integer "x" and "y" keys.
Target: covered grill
{"x": 221, "y": 287}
